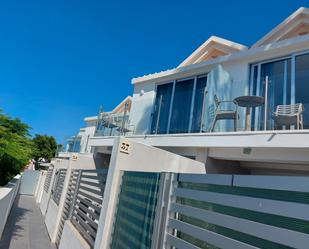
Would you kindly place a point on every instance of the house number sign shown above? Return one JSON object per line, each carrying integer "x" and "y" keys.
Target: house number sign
{"x": 125, "y": 147}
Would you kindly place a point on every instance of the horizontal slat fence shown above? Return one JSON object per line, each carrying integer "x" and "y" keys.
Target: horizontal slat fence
{"x": 238, "y": 211}
{"x": 88, "y": 202}
{"x": 59, "y": 184}
{"x": 68, "y": 204}
{"x": 48, "y": 178}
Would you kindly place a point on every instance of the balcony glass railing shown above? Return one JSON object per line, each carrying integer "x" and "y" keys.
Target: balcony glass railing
{"x": 73, "y": 145}
{"x": 113, "y": 125}
{"x": 213, "y": 112}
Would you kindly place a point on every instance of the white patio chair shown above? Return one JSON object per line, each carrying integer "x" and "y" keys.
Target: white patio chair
{"x": 287, "y": 115}
{"x": 222, "y": 113}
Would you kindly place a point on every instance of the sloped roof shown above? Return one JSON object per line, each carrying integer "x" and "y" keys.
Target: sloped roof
{"x": 296, "y": 24}
{"x": 120, "y": 108}
{"x": 211, "y": 49}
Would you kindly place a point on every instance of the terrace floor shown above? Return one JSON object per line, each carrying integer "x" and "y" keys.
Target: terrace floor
{"x": 25, "y": 228}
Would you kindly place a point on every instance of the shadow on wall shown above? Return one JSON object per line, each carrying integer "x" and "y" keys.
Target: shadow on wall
{"x": 14, "y": 226}
{"x": 143, "y": 125}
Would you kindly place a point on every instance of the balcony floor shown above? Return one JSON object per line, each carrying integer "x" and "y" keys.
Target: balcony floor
{"x": 25, "y": 228}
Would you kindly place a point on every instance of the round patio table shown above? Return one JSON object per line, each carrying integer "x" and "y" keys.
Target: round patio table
{"x": 249, "y": 102}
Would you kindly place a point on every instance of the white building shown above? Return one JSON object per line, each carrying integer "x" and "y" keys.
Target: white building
{"x": 173, "y": 109}
{"x": 167, "y": 176}
{"x": 115, "y": 122}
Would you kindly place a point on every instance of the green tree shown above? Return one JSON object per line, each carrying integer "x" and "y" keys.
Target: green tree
{"x": 44, "y": 147}
{"x": 15, "y": 147}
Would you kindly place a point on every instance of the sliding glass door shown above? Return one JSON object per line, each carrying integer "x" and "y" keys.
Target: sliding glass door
{"x": 179, "y": 106}
{"x": 272, "y": 80}
{"x": 199, "y": 104}
{"x": 161, "y": 109}
{"x": 180, "y": 116}
{"x": 302, "y": 85}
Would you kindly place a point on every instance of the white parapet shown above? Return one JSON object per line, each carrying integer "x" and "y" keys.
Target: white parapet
{"x": 7, "y": 196}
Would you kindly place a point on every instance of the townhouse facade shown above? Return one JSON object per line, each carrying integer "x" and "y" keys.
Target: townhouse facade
{"x": 210, "y": 154}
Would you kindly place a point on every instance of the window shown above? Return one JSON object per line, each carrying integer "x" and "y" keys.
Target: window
{"x": 302, "y": 84}
{"x": 181, "y": 108}
{"x": 178, "y": 107}
{"x": 199, "y": 98}
{"x": 161, "y": 109}
{"x": 279, "y": 89}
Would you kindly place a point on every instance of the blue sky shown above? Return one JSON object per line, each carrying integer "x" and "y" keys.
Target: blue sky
{"x": 61, "y": 60}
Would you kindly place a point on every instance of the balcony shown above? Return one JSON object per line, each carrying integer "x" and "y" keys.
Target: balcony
{"x": 177, "y": 125}
{"x": 73, "y": 144}
{"x": 113, "y": 124}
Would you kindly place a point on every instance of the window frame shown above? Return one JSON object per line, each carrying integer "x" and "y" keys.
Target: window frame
{"x": 174, "y": 82}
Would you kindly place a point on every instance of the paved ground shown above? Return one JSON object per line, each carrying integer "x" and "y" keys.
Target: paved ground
{"x": 25, "y": 228}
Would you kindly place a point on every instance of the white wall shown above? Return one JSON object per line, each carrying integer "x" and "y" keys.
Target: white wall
{"x": 51, "y": 218}
{"x": 7, "y": 197}
{"x": 71, "y": 239}
{"x": 141, "y": 108}
{"x": 85, "y": 135}
{"x": 40, "y": 187}
{"x": 29, "y": 182}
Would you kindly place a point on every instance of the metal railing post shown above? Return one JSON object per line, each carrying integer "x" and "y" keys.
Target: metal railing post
{"x": 202, "y": 124}
{"x": 266, "y": 103}
{"x": 172, "y": 183}
{"x": 158, "y": 115}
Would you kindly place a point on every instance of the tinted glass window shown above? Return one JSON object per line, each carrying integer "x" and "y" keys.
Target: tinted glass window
{"x": 181, "y": 106}
{"x": 198, "y": 104}
{"x": 161, "y": 108}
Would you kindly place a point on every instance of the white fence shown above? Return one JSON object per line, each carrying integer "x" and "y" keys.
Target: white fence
{"x": 238, "y": 211}
{"x": 148, "y": 204}
{"x": 7, "y": 197}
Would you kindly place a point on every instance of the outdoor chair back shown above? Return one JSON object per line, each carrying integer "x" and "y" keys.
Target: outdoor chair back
{"x": 287, "y": 115}
{"x": 223, "y": 113}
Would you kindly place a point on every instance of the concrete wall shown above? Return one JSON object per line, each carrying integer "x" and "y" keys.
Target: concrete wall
{"x": 87, "y": 132}
{"x": 141, "y": 109}
{"x": 51, "y": 218}
{"x": 29, "y": 182}
{"x": 71, "y": 238}
{"x": 44, "y": 202}
{"x": 40, "y": 186}
{"x": 7, "y": 197}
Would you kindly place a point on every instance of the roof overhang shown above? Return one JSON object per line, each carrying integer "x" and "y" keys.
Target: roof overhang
{"x": 212, "y": 48}
{"x": 295, "y": 25}
{"x": 91, "y": 119}
{"x": 279, "y": 48}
